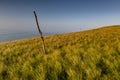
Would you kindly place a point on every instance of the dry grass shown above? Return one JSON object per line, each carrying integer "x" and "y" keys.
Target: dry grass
{"x": 87, "y": 55}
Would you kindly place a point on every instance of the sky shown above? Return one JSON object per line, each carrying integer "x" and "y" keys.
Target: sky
{"x": 56, "y": 16}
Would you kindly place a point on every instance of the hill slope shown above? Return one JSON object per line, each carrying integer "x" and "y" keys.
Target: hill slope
{"x": 92, "y": 54}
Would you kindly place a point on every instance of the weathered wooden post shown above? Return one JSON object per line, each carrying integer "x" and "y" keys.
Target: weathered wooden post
{"x": 40, "y": 32}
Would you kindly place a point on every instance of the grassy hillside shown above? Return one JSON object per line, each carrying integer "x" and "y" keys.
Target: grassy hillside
{"x": 86, "y": 55}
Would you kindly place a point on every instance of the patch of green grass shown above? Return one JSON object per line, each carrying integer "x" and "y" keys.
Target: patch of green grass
{"x": 86, "y": 55}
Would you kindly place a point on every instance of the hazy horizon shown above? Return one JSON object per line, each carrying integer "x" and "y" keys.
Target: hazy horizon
{"x": 57, "y": 16}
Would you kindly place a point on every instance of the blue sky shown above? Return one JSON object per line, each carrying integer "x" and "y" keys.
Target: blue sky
{"x": 58, "y": 15}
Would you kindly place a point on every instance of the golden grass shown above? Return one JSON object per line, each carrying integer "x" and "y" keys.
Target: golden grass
{"x": 86, "y": 55}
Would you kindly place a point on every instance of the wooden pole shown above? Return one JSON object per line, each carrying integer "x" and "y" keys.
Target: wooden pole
{"x": 40, "y": 32}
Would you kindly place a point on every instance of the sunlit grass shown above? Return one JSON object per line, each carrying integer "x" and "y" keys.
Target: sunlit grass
{"x": 87, "y": 55}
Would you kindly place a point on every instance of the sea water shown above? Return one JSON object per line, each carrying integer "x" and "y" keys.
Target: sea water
{"x": 15, "y": 36}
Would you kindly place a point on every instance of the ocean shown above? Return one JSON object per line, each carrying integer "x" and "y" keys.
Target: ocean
{"x": 4, "y": 37}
